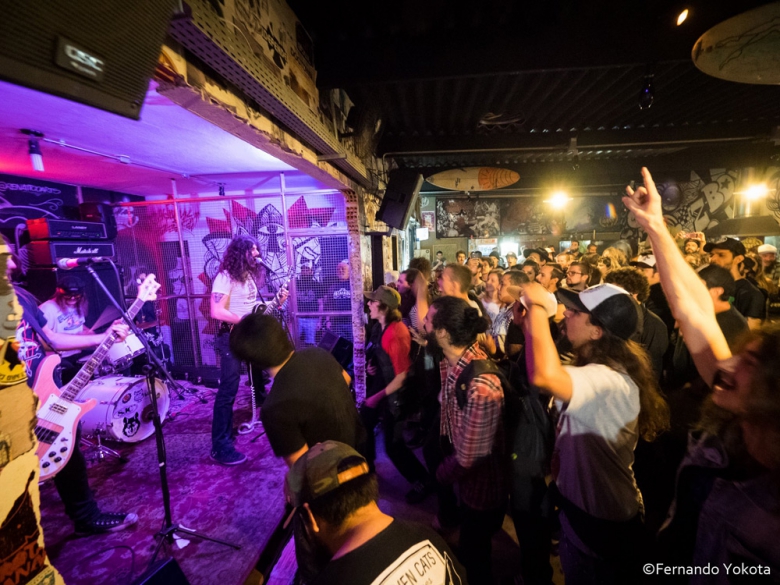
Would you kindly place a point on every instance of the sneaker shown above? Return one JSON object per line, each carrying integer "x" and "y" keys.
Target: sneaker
{"x": 106, "y": 522}
{"x": 228, "y": 458}
{"x": 418, "y": 493}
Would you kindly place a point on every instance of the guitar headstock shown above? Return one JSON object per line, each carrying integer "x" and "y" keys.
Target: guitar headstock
{"x": 147, "y": 290}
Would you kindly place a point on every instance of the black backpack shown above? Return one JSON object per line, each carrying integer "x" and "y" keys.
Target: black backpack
{"x": 528, "y": 430}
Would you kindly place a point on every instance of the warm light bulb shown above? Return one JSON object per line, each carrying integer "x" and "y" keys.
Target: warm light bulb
{"x": 755, "y": 192}
{"x": 558, "y": 200}
{"x": 682, "y": 17}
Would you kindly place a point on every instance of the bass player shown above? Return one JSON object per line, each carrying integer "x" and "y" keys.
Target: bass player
{"x": 72, "y": 483}
{"x": 234, "y": 294}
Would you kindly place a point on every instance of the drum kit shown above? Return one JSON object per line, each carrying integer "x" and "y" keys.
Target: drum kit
{"x": 124, "y": 410}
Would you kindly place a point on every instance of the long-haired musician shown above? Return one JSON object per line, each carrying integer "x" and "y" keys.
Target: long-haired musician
{"x": 233, "y": 294}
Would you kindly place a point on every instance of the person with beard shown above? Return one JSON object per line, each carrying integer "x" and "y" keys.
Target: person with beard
{"x": 471, "y": 435}
{"x": 608, "y": 399}
{"x": 233, "y": 295}
{"x": 748, "y": 300}
{"x": 334, "y": 493}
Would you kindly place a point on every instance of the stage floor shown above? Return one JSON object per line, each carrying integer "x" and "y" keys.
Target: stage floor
{"x": 240, "y": 504}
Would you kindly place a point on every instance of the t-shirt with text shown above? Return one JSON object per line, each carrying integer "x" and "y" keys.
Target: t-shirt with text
{"x": 403, "y": 553}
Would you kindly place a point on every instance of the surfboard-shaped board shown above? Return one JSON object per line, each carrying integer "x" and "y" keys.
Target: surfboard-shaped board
{"x": 474, "y": 179}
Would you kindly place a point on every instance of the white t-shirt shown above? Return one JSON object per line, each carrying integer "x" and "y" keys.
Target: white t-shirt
{"x": 63, "y": 321}
{"x": 242, "y": 296}
{"x": 597, "y": 434}
{"x": 492, "y": 309}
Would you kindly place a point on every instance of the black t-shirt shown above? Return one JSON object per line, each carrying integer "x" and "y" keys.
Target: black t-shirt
{"x": 308, "y": 291}
{"x": 404, "y": 552}
{"x": 658, "y": 304}
{"x": 654, "y": 338}
{"x": 732, "y": 324}
{"x": 749, "y": 301}
{"x": 338, "y": 297}
{"x": 310, "y": 402}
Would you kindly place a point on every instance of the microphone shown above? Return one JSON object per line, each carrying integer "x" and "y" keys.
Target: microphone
{"x": 68, "y": 263}
{"x": 263, "y": 264}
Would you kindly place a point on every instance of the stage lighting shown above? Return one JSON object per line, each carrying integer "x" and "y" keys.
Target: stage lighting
{"x": 558, "y": 200}
{"x": 682, "y": 17}
{"x": 34, "y": 148}
{"x": 755, "y": 192}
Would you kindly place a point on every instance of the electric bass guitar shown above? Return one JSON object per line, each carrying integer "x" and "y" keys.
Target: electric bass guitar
{"x": 59, "y": 417}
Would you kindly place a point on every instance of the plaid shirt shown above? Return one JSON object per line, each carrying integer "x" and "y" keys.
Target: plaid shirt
{"x": 476, "y": 434}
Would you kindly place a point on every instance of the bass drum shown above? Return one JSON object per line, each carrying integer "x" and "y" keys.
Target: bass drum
{"x": 124, "y": 409}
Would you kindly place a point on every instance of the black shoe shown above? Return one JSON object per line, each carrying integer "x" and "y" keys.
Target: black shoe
{"x": 106, "y": 522}
{"x": 228, "y": 458}
{"x": 418, "y": 493}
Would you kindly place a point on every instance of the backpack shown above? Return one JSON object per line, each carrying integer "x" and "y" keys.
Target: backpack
{"x": 528, "y": 430}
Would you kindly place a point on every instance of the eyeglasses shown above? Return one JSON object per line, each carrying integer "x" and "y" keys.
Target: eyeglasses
{"x": 73, "y": 295}
{"x": 574, "y": 273}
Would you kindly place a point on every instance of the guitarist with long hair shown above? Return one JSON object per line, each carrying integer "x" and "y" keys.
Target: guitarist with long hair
{"x": 234, "y": 294}
{"x": 72, "y": 483}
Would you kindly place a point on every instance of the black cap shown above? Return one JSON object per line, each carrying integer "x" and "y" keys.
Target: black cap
{"x": 70, "y": 284}
{"x": 734, "y": 246}
{"x": 611, "y": 306}
{"x": 541, "y": 251}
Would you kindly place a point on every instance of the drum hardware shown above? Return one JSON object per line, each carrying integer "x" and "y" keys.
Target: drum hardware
{"x": 123, "y": 412}
{"x": 100, "y": 450}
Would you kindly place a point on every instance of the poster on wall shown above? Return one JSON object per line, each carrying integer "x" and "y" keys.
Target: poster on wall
{"x": 466, "y": 218}
{"x": 22, "y": 199}
{"x": 429, "y": 220}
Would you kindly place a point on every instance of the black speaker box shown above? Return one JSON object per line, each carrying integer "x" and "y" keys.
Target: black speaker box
{"x": 98, "y": 53}
{"x": 41, "y": 282}
{"x": 340, "y": 348}
{"x": 400, "y": 197}
{"x": 167, "y": 572}
{"x": 100, "y": 213}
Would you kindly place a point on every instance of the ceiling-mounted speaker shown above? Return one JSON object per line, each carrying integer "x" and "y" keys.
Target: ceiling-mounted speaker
{"x": 403, "y": 187}
{"x": 102, "y": 54}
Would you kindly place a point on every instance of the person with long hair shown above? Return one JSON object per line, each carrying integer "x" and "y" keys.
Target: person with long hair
{"x": 489, "y": 296}
{"x": 66, "y": 312}
{"x": 233, "y": 295}
{"x": 388, "y": 353}
{"x": 609, "y": 397}
{"x": 727, "y": 500}
{"x": 471, "y": 443}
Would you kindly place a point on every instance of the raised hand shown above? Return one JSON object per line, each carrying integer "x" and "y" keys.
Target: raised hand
{"x": 645, "y": 203}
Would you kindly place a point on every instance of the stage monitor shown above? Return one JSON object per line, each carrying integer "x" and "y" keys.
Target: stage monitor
{"x": 102, "y": 54}
{"x": 403, "y": 186}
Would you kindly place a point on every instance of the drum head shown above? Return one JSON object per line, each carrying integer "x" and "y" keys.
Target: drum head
{"x": 124, "y": 410}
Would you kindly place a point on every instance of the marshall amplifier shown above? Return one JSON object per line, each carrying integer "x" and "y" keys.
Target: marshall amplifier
{"x": 64, "y": 229}
{"x": 47, "y": 253}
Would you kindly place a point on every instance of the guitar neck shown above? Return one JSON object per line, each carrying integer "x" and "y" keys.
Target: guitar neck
{"x": 74, "y": 387}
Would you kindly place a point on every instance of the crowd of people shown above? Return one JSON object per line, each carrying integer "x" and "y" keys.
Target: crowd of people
{"x": 620, "y": 406}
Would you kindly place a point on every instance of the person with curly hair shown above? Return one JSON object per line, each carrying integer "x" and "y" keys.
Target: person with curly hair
{"x": 233, "y": 295}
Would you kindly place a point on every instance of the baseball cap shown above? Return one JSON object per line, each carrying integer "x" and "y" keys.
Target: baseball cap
{"x": 767, "y": 249}
{"x": 70, "y": 284}
{"x": 385, "y": 294}
{"x": 611, "y": 306}
{"x": 322, "y": 469}
{"x": 644, "y": 261}
{"x": 734, "y": 246}
{"x": 541, "y": 251}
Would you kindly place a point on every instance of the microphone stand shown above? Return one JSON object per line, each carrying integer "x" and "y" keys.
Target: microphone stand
{"x": 169, "y": 529}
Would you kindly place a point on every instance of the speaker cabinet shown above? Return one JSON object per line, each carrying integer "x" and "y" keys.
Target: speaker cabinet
{"x": 403, "y": 187}
{"x": 100, "y": 213}
{"x": 98, "y": 53}
{"x": 41, "y": 282}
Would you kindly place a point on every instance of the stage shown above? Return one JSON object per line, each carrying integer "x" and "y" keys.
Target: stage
{"x": 242, "y": 504}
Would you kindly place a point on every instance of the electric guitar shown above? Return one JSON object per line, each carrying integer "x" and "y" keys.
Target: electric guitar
{"x": 59, "y": 417}
{"x": 275, "y": 302}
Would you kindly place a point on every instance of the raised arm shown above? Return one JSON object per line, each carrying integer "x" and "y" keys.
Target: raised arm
{"x": 687, "y": 294}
